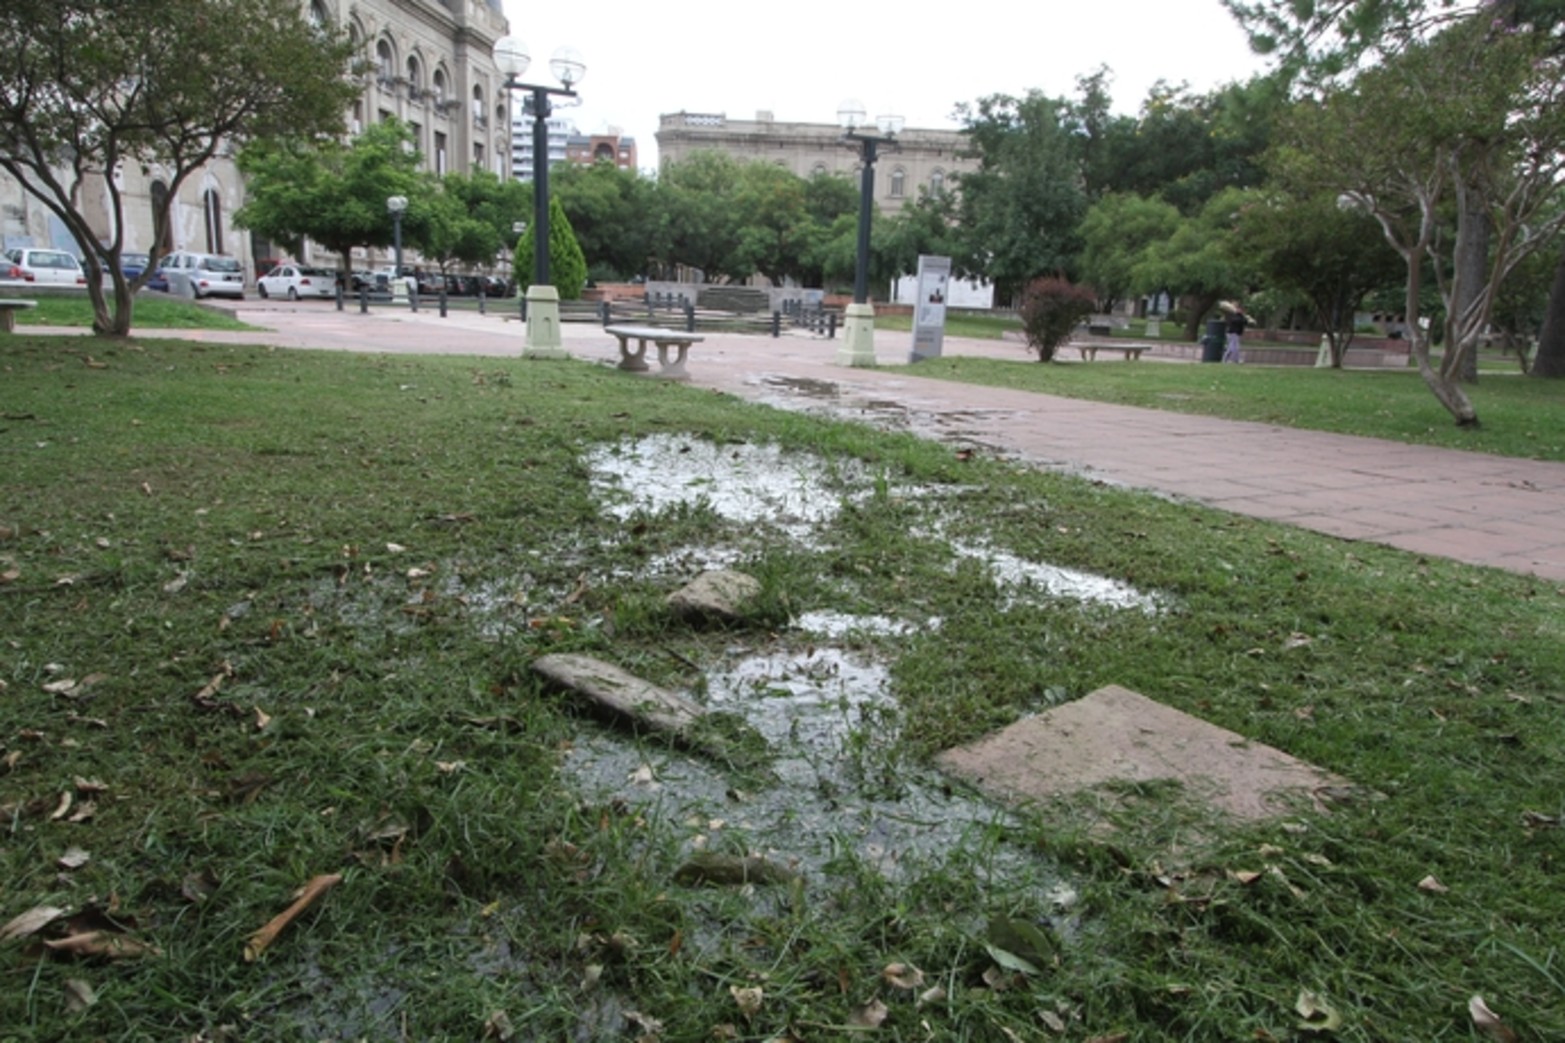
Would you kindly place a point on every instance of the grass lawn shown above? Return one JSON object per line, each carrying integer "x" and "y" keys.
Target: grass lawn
{"x": 268, "y": 617}
{"x": 153, "y": 310}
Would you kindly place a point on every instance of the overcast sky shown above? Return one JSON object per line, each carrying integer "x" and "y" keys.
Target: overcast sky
{"x": 799, "y": 58}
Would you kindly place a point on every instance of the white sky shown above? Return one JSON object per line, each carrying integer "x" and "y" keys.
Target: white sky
{"x": 799, "y": 58}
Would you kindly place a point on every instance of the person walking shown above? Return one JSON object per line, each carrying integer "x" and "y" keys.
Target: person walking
{"x": 1237, "y": 321}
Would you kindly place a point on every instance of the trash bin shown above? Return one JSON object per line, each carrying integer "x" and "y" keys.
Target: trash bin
{"x": 1215, "y": 340}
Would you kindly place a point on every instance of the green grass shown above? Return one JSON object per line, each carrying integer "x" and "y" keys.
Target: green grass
{"x": 959, "y": 324}
{"x": 1518, "y": 416}
{"x": 299, "y": 594}
{"x": 152, "y": 311}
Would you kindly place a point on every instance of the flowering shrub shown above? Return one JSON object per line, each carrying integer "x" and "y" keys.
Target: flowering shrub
{"x": 1051, "y": 308}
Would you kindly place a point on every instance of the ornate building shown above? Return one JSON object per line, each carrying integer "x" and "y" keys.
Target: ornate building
{"x": 432, "y": 68}
{"x": 922, "y": 159}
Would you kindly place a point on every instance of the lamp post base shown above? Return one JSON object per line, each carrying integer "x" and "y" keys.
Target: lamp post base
{"x": 858, "y": 336}
{"x": 543, "y": 324}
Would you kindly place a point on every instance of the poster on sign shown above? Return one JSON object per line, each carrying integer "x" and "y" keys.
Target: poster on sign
{"x": 929, "y": 307}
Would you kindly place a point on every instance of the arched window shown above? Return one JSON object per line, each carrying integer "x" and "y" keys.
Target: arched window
{"x": 898, "y": 183}
{"x": 478, "y": 106}
{"x": 604, "y": 152}
{"x": 415, "y": 78}
{"x": 937, "y": 182}
{"x": 318, "y": 16}
{"x": 386, "y": 62}
{"x": 819, "y": 171}
{"x": 162, "y": 216}
{"x": 439, "y": 84}
{"x": 212, "y": 205}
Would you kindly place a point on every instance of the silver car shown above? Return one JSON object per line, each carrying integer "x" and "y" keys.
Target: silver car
{"x": 203, "y": 275}
{"x": 41, "y": 267}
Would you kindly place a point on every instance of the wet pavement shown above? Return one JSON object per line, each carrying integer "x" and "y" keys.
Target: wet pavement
{"x": 1480, "y": 509}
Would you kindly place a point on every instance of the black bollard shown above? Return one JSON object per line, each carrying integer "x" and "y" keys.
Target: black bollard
{"x": 442, "y": 302}
{"x": 364, "y": 300}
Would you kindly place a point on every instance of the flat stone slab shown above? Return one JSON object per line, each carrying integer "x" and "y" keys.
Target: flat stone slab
{"x": 1116, "y": 735}
{"x": 718, "y": 594}
{"x": 621, "y": 693}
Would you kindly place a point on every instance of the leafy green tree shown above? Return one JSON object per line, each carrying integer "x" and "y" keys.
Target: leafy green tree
{"x": 1199, "y": 260}
{"x": 567, "y": 263}
{"x": 1019, "y": 210}
{"x": 1116, "y": 235}
{"x": 445, "y": 230}
{"x": 1330, "y": 255}
{"x": 612, "y": 214}
{"x": 89, "y": 86}
{"x": 698, "y": 216}
{"x": 1485, "y": 142}
{"x": 331, "y": 191}
{"x": 495, "y": 204}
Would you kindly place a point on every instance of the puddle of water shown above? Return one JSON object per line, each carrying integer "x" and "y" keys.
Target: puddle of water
{"x": 1014, "y": 572}
{"x": 841, "y": 624}
{"x": 832, "y": 722}
{"x": 749, "y": 484}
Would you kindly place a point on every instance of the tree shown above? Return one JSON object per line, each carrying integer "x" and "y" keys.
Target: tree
{"x": 1199, "y": 261}
{"x": 1116, "y": 235}
{"x": 494, "y": 204}
{"x": 1019, "y": 210}
{"x": 1051, "y": 308}
{"x": 698, "y": 218}
{"x": 1330, "y": 255}
{"x": 91, "y": 85}
{"x": 1485, "y": 141}
{"x": 610, "y": 210}
{"x": 567, "y": 264}
{"x": 331, "y": 191}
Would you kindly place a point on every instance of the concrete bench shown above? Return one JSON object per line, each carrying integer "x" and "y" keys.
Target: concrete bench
{"x": 634, "y": 359}
{"x": 9, "y": 306}
{"x": 1131, "y": 352}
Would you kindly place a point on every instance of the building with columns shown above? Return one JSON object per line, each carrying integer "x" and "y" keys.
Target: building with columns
{"x": 921, "y": 160}
{"x": 433, "y": 68}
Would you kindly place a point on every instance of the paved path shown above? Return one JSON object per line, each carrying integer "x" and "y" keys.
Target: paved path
{"x": 1471, "y": 507}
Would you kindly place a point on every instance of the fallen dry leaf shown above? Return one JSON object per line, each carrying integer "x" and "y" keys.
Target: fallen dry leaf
{"x": 108, "y": 944}
{"x": 934, "y": 994}
{"x": 498, "y": 1026}
{"x": 747, "y": 999}
{"x": 78, "y": 995}
{"x": 1244, "y": 876}
{"x": 1318, "y": 1015}
{"x": 308, "y": 894}
{"x": 903, "y": 976}
{"x": 262, "y": 719}
{"x": 1488, "y": 1022}
{"x": 89, "y": 787}
{"x": 30, "y": 922}
{"x": 870, "y": 1016}
{"x": 1433, "y": 886}
{"x": 62, "y": 807}
{"x": 74, "y": 858}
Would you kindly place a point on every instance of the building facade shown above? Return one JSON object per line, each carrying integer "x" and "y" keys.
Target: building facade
{"x": 920, "y": 161}
{"x": 432, "y": 68}
{"x": 568, "y": 145}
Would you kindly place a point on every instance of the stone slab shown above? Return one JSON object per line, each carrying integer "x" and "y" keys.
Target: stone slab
{"x": 1116, "y": 735}
{"x": 621, "y": 693}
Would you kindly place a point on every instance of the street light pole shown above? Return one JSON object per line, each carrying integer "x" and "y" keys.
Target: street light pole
{"x": 858, "y": 330}
{"x": 397, "y": 205}
{"x": 543, "y": 301}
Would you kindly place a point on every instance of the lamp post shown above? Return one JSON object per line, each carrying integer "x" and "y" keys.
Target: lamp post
{"x": 397, "y": 205}
{"x": 858, "y": 330}
{"x": 512, "y": 57}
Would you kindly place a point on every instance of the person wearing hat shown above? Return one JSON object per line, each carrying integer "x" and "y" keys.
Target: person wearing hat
{"x": 1237, "y": 321}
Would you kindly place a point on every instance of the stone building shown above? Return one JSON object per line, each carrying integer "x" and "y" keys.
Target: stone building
{"x": 433, "y": 68}
{"x": 921, "y": 160}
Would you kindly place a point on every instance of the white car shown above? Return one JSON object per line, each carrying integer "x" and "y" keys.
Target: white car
{"x": 41, "y": 267}
{"x": 295, "y": 280}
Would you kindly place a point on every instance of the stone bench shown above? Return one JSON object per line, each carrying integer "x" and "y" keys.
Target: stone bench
{"x": 9, "y": 306}
{"x": 634, "y": 359}
{"x": 1131, "y": 352}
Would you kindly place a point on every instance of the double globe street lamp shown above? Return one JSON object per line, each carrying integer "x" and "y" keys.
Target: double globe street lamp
{"x": 397, "y": 206}
{"x": 512, "y": 57}
{"x": 858, "y": 329}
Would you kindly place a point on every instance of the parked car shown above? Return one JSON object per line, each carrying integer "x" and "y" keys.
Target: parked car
{"x": 131, "y": 264}
{"x": 295, "y": 280}
{"x": 42, "y": 267}
{"x": 159, "y": 280}
{"x": 201, "y": 275}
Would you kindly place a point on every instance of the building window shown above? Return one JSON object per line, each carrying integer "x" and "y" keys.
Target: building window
{"x": 162, "y": 214}
{"x": 898, "y": 183}
{"x": 415, "y": 80}
{"x": 440, "y": 153}
{"x": 819, "y": 171}
{"x": 386, "y": 63}
{"x": 212, "y": 204}
{"x": 417, "y": 133}
{"x": 440, "y": 86}
{"x": 937, "y": 182}
{"x": 318, "y": 17}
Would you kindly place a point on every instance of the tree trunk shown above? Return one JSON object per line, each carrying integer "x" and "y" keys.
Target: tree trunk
{"x": 1471, "y": 277}
{"x": 1550, "y": 359}
{"x": 1202, "y": 305}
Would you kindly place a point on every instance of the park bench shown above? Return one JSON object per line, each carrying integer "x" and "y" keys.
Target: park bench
{"x": 9, "y": 306}
{"x": 1131, "y": 352}
{"x": 634, "y": 359}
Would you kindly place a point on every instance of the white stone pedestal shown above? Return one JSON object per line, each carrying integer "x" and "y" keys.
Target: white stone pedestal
{"x": 543, "y": 324}
{"x": 858, "y": 336}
